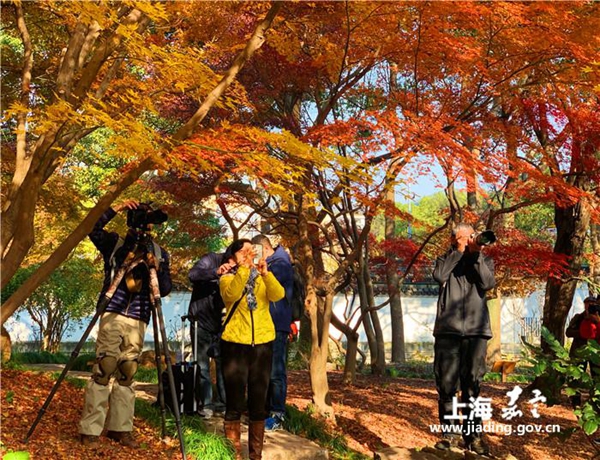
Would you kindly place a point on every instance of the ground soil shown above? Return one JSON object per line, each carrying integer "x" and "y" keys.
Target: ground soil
{"x": 372, "y": 414}
{"x": 379, "y": 412}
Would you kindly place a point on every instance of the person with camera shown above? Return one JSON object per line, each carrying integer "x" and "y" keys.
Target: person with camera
{"x": 247, "y": 343}
{"x": 461, "y": 331}
{"x": 573, "y": 331}
{"x": 123, "y": 324}
{"x": 280, "y": 264}
{"x": 206, "y": 313}
{"x": 590, "y": 327}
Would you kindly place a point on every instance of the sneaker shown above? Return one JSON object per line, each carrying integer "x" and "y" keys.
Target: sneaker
{"x": 274, "y": 423}
{"x": 88, "y": 439}
{"x": 448, "y": 441}
{"x": 125, "y": 438}
{"x": 206, "y": 414}
{"x": 479, "y": 446}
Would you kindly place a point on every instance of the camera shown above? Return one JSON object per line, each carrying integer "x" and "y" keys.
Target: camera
{"x": 144, "y": 215}
{"x": 485, "y": 238}
{"x": 594, "y": 309}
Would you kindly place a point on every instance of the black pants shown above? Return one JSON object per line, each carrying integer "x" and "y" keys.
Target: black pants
{"x": 246, "y": 366}
{"x": 459, "y": 359}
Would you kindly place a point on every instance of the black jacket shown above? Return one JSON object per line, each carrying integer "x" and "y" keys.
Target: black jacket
{"x": 573, "y": 332}
{"x": 206, "y": 305}
{"x": 132, "y": 305}
{"x": 464, "y": 279}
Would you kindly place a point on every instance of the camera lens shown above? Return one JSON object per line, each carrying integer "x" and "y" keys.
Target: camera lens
{"x": 485, "y": 238}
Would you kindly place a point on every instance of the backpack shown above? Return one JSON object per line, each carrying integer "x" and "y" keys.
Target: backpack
{"x": 299, "y": 297}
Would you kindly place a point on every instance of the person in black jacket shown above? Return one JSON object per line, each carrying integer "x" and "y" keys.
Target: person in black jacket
{"x": 206, "y": 312}
{"x": 279, "y": 262}
{"x": 573, "y": 331}
{"x": 461, "y": 331}
{"x": 121, "y": 333}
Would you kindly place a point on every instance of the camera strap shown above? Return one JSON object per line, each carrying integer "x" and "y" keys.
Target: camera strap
{"x": 235, "y": 305}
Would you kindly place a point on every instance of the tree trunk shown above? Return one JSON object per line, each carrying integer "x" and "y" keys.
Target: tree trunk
{"x": 393, "y": 289}
{"x": 494, "y": 348}
{"x": 5, "y": 345}
{"x": 572, "y": 224}
{"x": 366, "y": 317}
{"x": 377, "y": 367}
{"x": 594, "y": 283}
{"x": 351, "y": 349}
{"x": 319, "y": 313}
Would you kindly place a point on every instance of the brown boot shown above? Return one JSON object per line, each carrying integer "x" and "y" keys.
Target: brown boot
{"x": 256, "y": 437}
{"x": 88, "y": 439}
{"x": 232, "y": 432}
{"x": 125, "y": 438}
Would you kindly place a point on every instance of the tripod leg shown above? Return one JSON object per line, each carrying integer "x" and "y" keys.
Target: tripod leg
{"x": 67, "y": 368}
{"x": 127, "y": 264}
{"x": 161, "y": 393}
{"x": 165, "y": 343}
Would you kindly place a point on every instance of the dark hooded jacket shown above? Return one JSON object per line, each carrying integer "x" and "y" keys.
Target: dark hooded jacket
{"x": 281, "y": 311}
{"x": 464, "y": 279}
{"x": 206, "y": 305}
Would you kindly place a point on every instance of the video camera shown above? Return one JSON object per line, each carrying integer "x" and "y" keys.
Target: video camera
{"x": 141, "y": 217}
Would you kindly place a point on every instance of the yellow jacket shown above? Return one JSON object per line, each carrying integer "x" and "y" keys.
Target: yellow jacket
{"x": 245, "y": 326}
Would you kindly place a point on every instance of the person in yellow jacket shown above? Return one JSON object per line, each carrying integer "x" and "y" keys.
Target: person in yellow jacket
{"x": 247, "y": 343}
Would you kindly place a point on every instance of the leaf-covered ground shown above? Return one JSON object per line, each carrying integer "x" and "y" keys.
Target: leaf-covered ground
{"x": 381, "y": 412}
{"x": 374, "y": 413}
{"x": 56, "y": 436}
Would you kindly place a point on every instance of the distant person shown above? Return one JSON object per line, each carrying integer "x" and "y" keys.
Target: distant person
{"x": 206, "y": 314}
{"x": 121, "y": 334}
{"x": 590, "y": 328}
{"x": 247, "y": 343}
{"x": 461, "y": 331}
{"x": 578, "y": 341}
{"x": 278, "y": 262}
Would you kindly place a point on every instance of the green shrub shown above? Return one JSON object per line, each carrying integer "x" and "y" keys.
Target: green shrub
{"x": 561, "y": 371}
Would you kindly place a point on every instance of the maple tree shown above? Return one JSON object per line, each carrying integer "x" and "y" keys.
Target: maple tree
{"x": 344, "y": 103}
{"x": 93, "y": 85}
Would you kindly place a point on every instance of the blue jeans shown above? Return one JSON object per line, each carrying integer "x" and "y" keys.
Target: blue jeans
{"x": 204, "y": 389}
{"x": 278, "y": 383}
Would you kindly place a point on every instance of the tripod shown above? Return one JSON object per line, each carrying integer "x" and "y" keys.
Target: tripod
{"x": 131, "y": 260}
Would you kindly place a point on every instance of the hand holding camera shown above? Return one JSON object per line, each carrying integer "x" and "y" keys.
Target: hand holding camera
{"x": 129, "y": 204}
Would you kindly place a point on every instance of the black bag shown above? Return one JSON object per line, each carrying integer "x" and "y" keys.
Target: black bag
{"x": 299, "y": 297}
{"x": 184, "y": 374}
{"x": 214, "y": 349}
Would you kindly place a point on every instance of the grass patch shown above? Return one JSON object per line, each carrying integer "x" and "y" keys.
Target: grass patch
{"x": 13, "y": 366}
{"x": 146, "y": 374}
{"x": 522, "y": 374}
{"x": 305, "y": 424}
{"x": 199, "y": 444}
{"x": 412, "y": 370}
{"x": 41, "y": 357}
